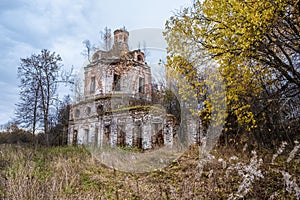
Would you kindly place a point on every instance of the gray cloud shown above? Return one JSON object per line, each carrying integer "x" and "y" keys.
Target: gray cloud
{"x": 26, "y": 27}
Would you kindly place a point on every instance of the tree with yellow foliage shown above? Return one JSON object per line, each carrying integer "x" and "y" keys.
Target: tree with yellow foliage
{"x": 255, "y": 45}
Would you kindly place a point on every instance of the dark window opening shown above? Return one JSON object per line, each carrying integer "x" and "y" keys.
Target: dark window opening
{"x": 88, "y": 110}
{"x": 117, "y": 83}
{"x": 86, "y": 132}
{"x": 137, "y": 137}
{"x": 141, "y": 85}
{"x": 139, "y": 58}
{"x": 74, "y": 139}
{"x": 158, "y": 136}
{"x": 93, "y": 84}
{"x": 96, "y": 137}
{"x": 106, "y": 136}
{"x": 121, "y": 138}
{"x": 100, "y": 109}
{"x": 77, "y": 113}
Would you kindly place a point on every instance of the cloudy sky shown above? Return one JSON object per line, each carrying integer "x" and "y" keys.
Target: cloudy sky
{"x": 27, "y": 26}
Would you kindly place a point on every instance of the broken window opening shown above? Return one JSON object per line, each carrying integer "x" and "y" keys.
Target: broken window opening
{"x": 93, "y": 84}
{"x": 141, "y": 85}
{"x": 77, "y": 113}
{"x": 137, "y": 137}
{"x": 100, "y": 109}
{"x": 106, "y": 136}
{"x": 139, "y": 58}
{"x": 158, "y": 136}
{"x": 75, "y": 136}
{"x": 88, "y": 110}
{"x": 117, "y": 82}
{"x": 86, "y": 133}
{"x": 121, "y": 138}
{"x": 96, "y": 137}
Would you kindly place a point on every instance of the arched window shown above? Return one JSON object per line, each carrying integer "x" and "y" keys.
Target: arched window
{"x": 75, "y": 136}
{"x": 117, "y": 82}
{"x": 140, "y": 58}
{"x": 100, "y": 109}
{"x": 93, "y": 84}
{"x": 77, "y": 113}
{"x": 86, "y": 136}
{"x": 141, "y": 85}
{"x": 88, "y": 110}
{"x": 95, "y": 56}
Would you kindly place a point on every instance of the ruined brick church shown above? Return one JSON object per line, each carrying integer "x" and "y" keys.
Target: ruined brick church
{"x": 116, "y": 108}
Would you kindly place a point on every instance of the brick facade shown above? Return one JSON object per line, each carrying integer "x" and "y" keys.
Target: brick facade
{"x": 115, "y": 109}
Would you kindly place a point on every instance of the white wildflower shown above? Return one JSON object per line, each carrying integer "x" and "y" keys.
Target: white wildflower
{"x": 293, "y": 152}
{"x": 245, "y": 147}
{"x": 210, "y": 157}
{"x": 279, "y": 151}
{"x": 274, "y": 196}
{"x": 233, "y": 158}
{"x": 220, "y": 160}
{"x": 210, "y": 173}
{"x": 291, "y": 185}
{"x": 206, "y": 158}
{"x": 249, "y": 173}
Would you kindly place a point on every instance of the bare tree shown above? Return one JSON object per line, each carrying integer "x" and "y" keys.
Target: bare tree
{"x": 60, "y": 121}
{"x": 39, "y": 78}
{"x": 89, "y": 48}
{"x": 106, "y": 39}
{"x": 105, "y": 43}
{"x": 27, "y": 112}
{"x": 144, "y": 49}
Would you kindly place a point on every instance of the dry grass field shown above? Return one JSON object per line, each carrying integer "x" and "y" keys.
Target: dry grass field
{"x": 225, "y": 173}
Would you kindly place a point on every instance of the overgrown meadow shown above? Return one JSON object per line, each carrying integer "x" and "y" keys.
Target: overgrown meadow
{"x": 224, "y": 173}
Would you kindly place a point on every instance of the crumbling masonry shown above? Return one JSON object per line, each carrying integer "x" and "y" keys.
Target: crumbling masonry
{"x": 115, "y": 110}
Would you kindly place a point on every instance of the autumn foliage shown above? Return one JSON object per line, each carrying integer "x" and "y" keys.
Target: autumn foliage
{"x": 254, "y": 46}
